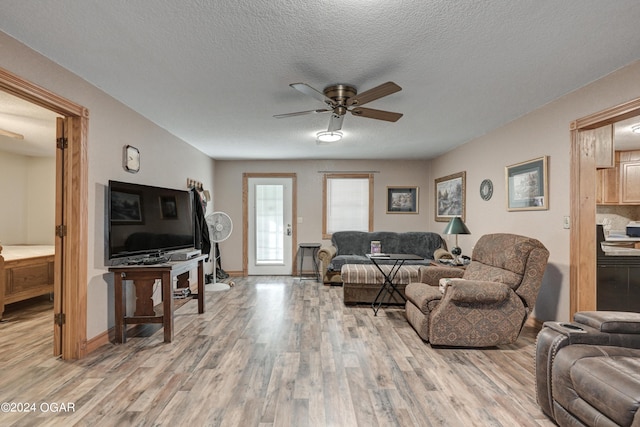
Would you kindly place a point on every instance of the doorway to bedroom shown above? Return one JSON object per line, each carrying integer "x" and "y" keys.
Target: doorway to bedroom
{"x": 70, "y": 200}
{"x": 27, "y": 218}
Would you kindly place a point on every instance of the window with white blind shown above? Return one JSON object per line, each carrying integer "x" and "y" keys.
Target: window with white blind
{"x": 348, "y": 203}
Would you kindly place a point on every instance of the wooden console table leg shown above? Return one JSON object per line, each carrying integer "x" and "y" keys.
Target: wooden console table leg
{"x": 200, "y": 287}
{"x": 120, "y": 308}
{"x": 167, "y": 303}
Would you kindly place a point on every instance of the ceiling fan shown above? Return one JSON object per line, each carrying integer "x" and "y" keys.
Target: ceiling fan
{"x": 342, "y": 98}
{"x": 8, "y": 133}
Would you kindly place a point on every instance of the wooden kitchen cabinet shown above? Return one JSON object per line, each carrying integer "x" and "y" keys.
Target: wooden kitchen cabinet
{"x": 620, "y": 185}
{"x": 630, "y": 183}
{"x": 608, "y": 189}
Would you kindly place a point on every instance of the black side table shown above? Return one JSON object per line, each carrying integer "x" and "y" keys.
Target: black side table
{"x": 388, "y": 288}
{"x": 313, "y": 248}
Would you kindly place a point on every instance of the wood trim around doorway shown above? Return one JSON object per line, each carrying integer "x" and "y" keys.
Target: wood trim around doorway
{"x": 245, "y": 215}
{"x": 583, "y": 205}
{"x": 72, "y": 262}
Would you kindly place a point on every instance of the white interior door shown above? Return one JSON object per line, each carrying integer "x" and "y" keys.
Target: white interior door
{"x": 270, "y": 226}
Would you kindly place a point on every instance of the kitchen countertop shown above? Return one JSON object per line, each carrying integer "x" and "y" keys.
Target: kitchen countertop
{"x": 618, "y": 251}
{"x": 620, "y": 236}
{"x": 612, "y": 246}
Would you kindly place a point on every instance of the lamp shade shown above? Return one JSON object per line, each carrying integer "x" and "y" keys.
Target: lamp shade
{"x": 456, "y": 226}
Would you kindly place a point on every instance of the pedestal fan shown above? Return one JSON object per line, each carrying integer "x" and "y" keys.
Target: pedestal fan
{"x": 220, "y": 227}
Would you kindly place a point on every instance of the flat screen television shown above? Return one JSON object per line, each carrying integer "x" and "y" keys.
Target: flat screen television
{"x": 147, "y": 221}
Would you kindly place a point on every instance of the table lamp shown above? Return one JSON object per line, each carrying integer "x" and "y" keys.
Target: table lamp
{"x": 456, "y": 226}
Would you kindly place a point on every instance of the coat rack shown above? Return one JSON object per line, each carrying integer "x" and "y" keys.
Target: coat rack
{"x": 197, "y": 185}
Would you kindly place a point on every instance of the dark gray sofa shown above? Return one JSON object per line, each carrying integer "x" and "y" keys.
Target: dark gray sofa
{"x": 351, "y": 247}
{"x": 587, "y": 371}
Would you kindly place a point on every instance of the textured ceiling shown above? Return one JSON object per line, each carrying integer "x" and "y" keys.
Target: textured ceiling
{"x": 35, "y": 127}
{"x": 214, "y": 73}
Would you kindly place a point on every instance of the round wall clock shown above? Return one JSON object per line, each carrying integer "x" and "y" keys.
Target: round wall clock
{"x": 131, "y": 160}
{"x": 486, "y": 189}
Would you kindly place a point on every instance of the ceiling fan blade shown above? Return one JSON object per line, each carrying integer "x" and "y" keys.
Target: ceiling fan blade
{"x": 370, "y": 113}
{"x": 314, "y": 93}
{"x": 372, "y": 94}
{"x": 335, "y": 123}
{"x": 301, "y": 113}
{"x": 10, "y": 134}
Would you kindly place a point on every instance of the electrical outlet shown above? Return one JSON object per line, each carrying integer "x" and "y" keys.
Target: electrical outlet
{"x": 566, "y": 222}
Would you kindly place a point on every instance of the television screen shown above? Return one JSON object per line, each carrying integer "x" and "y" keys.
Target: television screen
{"x": 146, "y": 220}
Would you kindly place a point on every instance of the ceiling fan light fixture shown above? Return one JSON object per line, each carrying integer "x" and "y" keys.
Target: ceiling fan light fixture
{"x": 329, "y": 136}
{"x": 635, "y": 129}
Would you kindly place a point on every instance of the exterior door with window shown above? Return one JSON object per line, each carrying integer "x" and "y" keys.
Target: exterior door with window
{"x": 270, "y": 226}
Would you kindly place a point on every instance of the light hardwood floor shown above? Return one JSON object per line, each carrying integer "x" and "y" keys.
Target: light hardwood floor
{"x": 271, "y": 351}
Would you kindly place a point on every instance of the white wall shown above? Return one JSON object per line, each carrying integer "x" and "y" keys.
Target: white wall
{"x": 542, "y": 132}
{"x": 166, "y": 160}
{"x": 41, "y": 201}
{"x": 27, "y": 211}
{"x": 13, "y": 178}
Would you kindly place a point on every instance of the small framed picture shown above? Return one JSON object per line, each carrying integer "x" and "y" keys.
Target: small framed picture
{"x": 527, "y": 185}
{"x": 168, "y": 207}
{"x": 402, "y": 199}
{"x": 450, "y": 195}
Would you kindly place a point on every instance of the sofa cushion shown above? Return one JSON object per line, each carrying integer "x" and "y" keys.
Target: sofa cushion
{"x": 425, "y": 298}
{"x": 359, "y": 242}
{"x": 419, "y": 243}
{"x": 340, "y": 260}
{"x": 590, "y": 381}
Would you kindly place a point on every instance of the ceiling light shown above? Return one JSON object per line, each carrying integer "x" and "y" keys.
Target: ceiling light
{"x": 327, "y": 136}
{"x": 635, "y": 129}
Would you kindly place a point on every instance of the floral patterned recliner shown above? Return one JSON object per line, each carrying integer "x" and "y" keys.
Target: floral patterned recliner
{"x": 485, "y": 305}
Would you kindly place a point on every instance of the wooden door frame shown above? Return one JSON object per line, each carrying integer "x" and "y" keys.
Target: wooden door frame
{"x": 72, "y": 261}
{"x": 582, "y": 267}
{"x": 245, "y": 217}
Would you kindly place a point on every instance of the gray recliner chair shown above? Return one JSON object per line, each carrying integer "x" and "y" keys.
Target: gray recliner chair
{"x": 588, "y": 370}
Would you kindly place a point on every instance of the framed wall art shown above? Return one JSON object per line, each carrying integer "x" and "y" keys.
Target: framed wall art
{"x": 126, "y": 208}
{"x": 527, "y": 185}
{"x": 402, "y": 199}
{"x": 450, "y": 193}
{"x": 168, "y": 207}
